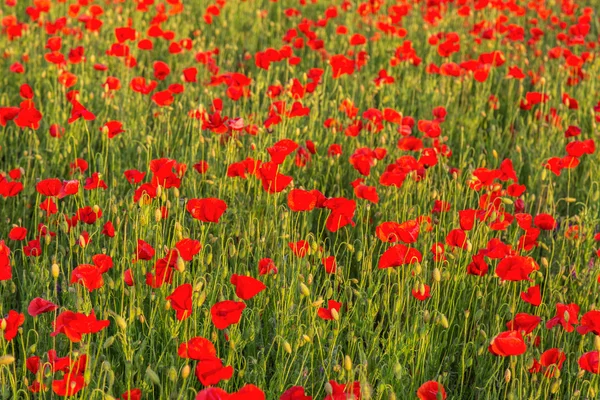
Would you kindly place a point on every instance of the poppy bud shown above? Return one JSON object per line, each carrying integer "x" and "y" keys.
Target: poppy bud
{"x": 109, "y": 342}
{"x": 306, "y": 338}
{"x": 335, "y": 314}
{"x": 507, "y": 375}
{"x": 7, "y": 360}
{"x": 444, "y": 322}
{"x": 172, "y": 374}
{"x": 180, "y": 264}
{"x": 597, "y": 342}
{"x": 437, "y": 276}
{"x": 55, "y": 270}
{"x": 185, "y": 372}
{"x": 48, "y": 239}
{"x": 347, "y": 363}
{"x": 159, "y": 191}
{"x": 176, "y": 192}
{"x": 121, "y": 323}
{"x": 152, "y": 376}
{"x": 108, "y": 397}
{"x": 157, "y": 215}
{"x": 328, "y": 388}
{"x": 96, "y": 208}
{"x": 426, "y": 316}
{"x": 287, "y": 347}
{"x": 304, "y": 290}
{"x": 591, "y": 393}
{"x": 577, "y": 393}
{"x": 3, "y": 324}
{"x": 570, "y": 199}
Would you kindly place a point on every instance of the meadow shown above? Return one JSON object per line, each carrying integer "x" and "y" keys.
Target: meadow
{"x": 299, "y": 200}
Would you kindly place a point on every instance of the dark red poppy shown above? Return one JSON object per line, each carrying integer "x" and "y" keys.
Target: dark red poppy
{"x": 39, "y": 306}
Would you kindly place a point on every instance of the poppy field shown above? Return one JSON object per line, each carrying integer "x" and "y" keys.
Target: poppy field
{"x": 299, "y": 199}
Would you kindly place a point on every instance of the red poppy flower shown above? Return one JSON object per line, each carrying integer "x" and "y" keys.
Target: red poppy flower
{"x": 516, "y": 268}
{"x": 133, "y": 394}
{"x": 181, "y": 301}
{"x": 301, "y": 200}
{"x": 39, "y": 306}
{"x": 508, "y": 343}
{"x": 329, "y": 264}
{"x": 13, "y": 322}
{"x": 524, "y": 323}
{"x": 431, "y": 390}
{"x": 206, "y": 210}
{"x": 545, "y": 222}
{"x": 144, "y": 251}
{"x": 590, "y": 362}
{"x": 407, "y": 232}
{"x": 197, "y": 348}
{"x": 69, "y": 385}
{"x": 424, "y": 295}
{"x": 567, "y": 315}
{"x": 265, "y": 266}
{"x": 74, "y": 325}
{"x": 88, "y": 275}
{"x": 210, "y": 372}
{"x": 342, "y": 212}
{"x": 295, "y": 393}
{"x": 299, "y": 248}
{"x": 49, "y": 187}
{"x": 17, "y": 233}
{"x": 343, "y": 391}
{"x": 325, "y": 313}
{"x": 590, "y": 322}
{"x": 188, "y": 248}
{"x": 5, "y": 268}
{"x": 226, "y": 313}
{"x": 246, "y": 287}
{"x": 399, "y": 255}
{"x": 532, "y": 296}
{"x": 550, "y": 363}
{"x": 248, "y": 391}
